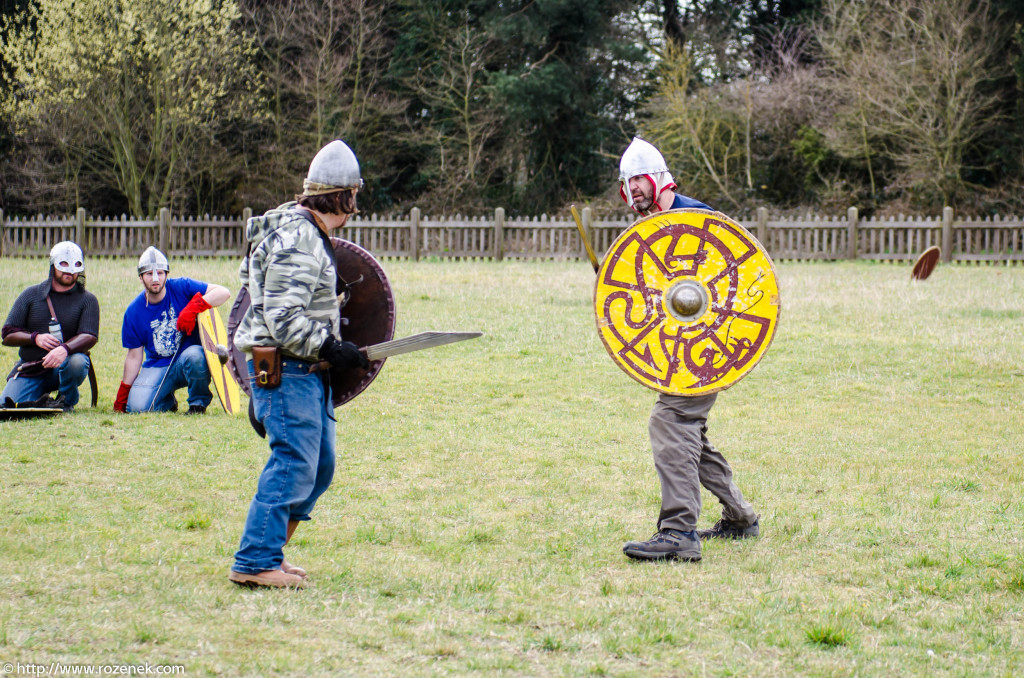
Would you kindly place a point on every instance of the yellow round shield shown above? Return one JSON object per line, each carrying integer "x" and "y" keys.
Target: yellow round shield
{"x": 687, "y": 301}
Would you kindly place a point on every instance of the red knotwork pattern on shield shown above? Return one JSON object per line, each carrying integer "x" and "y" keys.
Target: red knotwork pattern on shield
{"x": 687, "y": 301}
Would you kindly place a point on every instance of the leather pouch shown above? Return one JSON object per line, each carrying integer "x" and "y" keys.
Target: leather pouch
{"x": 266, "y": 365}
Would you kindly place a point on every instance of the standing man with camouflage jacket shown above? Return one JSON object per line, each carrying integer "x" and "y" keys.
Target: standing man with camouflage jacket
{"x": 292, "y": 324}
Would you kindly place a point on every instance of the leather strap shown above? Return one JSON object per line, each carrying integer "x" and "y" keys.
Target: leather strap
{"x": 92, "y": 372}
{"x": 92, "y": 382}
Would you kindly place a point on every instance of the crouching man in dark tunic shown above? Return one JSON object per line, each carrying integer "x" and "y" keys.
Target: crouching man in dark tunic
{"x": 53, "y": 324}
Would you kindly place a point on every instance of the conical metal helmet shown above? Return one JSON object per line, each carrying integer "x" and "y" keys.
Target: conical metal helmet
{"x": 334, "y": 168}
{"x": 642, "y": 159}
{"x": 153, "y": 260}
{"x": 67, "y": 257}
{"x": 639, "y": 158}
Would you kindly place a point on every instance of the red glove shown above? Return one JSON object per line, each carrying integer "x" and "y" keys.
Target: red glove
{"x": 121, "y": 402}
{"x": 188, "y": 315}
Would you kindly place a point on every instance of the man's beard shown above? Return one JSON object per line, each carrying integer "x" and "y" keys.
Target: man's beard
{"x": 643, "y": 203}
{"x": 65, "y": 279}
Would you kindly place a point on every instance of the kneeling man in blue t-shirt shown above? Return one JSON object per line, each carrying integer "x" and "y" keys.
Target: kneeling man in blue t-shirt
{"x": 164, "y": 353}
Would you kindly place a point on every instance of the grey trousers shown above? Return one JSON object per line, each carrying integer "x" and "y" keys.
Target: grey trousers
{"x": 685, "y": 459}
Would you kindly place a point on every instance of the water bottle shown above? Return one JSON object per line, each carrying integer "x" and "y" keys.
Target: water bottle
{"x": 55, "y": 330}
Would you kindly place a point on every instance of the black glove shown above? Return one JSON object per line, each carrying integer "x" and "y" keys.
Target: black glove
{"x": 343, "y": 354}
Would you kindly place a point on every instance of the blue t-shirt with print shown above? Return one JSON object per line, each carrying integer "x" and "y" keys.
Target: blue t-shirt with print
{"x": 155, "y": 326}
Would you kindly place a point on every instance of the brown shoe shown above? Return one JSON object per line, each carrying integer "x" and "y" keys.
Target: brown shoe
{"x": 272, "y": 578}
{"x": 292, "y": 569}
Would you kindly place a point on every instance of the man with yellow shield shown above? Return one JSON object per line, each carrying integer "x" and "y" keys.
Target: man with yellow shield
{"x": 686, "y": 303}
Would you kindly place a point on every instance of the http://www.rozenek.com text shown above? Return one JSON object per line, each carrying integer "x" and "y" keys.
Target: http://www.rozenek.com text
{"x": 60, "y": 669}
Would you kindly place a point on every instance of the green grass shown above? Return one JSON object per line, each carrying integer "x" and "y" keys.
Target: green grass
{"x": 828, "y": 634}
{"x": 483, "y": 492}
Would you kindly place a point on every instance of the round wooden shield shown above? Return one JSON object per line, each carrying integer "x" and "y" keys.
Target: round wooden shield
{"x": 925, "y": 263}
{"x": 367, "y": 317}
{"x": 687, "y": 302}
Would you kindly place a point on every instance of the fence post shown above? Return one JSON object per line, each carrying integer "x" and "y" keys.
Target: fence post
{"x": 499, "y": 233}
{"x": 3, "y": 224}
{"x": 414, "y": 234}
{"x": 165, "y": 227}
{"x": 80, "y": 228}
{"x": 851, "y": 236}
{"x": 947, "y": 234}
{"x": 762, "y": 226}
{"x": 246, "y": 216}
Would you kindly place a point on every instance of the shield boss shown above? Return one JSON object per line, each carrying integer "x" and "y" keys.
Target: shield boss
{"x": 687, "y": 302}
{"x": 367, "y": 315}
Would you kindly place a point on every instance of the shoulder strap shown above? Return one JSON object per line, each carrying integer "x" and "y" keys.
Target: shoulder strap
{"x": 326, "y": 239}
{"x": 53, "y": 314}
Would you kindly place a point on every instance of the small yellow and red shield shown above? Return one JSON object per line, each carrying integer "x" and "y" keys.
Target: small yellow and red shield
{"x": 687, "y": 302}
{"x": 214, "y": 339}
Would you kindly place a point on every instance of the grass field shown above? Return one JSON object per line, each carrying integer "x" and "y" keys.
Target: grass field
{"x": 484, "y": 490}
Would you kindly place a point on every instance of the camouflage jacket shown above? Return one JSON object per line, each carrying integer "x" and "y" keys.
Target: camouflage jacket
{"x": 290, "y": 277}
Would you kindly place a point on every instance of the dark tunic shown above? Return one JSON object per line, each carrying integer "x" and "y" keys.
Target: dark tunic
{"x": 77, "y": 311}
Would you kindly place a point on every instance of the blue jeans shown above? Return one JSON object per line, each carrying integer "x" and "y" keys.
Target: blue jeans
{"x": 299, "y": 420}
{"x": 66, "y": 379}
{"x": 190, "y": 369}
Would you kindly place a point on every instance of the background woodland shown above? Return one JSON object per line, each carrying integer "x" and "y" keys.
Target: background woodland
{"x": 207, "y": 106}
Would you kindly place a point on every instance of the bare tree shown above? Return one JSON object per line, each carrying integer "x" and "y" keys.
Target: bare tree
{"x": 914, "y": 82}
{"x": 126, "y": 92}
{"x": 461, "y": 117}
{"x": 324, "y": 61}
{"x": 703, "y": 131}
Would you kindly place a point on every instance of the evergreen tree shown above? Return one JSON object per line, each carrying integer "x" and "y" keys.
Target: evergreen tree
{"x": 567, "y": 83}
{"x": 557, "y": 81}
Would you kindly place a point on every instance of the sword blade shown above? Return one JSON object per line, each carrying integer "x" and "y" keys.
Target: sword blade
{"x": 416, "y": 342}
{"x": 586, "y": 238}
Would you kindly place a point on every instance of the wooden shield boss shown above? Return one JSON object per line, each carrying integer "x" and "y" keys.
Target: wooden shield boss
{"x": 367, "y": 308}
{"x": 686, "y": 301}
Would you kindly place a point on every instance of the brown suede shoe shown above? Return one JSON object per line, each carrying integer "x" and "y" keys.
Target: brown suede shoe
{"x": 293, "y": 569}
{"x": 272, "y": 578}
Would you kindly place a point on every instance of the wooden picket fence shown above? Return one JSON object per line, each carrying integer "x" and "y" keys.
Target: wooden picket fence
{"x": 414, "y": 236}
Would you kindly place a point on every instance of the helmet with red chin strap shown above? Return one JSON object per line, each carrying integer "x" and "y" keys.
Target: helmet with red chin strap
{"x": 643, "y": 159}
